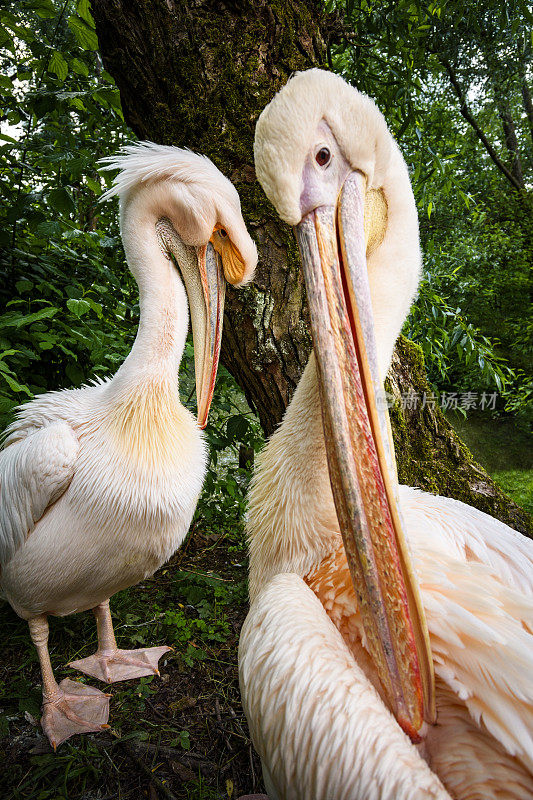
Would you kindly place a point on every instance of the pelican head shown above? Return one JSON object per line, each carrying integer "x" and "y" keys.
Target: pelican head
{"x": 197, "y": 215}
{"x": 328, "y": 163}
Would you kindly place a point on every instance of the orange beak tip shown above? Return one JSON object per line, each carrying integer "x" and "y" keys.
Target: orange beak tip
{"x": 408, "y": 728}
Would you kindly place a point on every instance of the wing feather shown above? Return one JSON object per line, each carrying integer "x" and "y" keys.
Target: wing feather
{"x": 476, "y": 579}
{"x": 457, "y": 528}
{"x": 34, "y": 473}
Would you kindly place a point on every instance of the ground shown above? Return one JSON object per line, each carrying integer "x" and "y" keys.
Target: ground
{"x": 181, "y": 736}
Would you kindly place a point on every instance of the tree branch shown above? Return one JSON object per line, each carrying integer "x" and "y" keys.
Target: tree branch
{"x": 467, "y": 114}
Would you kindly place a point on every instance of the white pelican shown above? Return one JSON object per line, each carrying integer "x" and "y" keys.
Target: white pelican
{"x": 321, "y": 665}
{"x": 99, "y": 484}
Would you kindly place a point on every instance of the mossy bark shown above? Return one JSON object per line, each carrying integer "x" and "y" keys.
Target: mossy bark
{"x": 198, "y": 74}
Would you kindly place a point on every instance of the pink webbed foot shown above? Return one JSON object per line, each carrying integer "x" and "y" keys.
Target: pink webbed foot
{"x": 111, "y": 666}
{"x": 75, "y": 708}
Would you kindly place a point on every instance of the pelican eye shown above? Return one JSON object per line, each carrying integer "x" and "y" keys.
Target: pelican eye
{"x": 222, "y": 233}
{"x": 323, "y": 157}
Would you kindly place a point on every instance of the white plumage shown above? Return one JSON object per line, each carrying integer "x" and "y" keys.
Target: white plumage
{"x": 303, "y": 695}
{"x": 99, "y": 484}
{"x": 317, "y": 712}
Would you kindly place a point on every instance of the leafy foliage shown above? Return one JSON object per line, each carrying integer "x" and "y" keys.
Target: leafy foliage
{"x": 68, "y": 299}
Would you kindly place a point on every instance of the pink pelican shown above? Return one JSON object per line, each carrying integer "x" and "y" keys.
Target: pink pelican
{"x": 435, "y": 640}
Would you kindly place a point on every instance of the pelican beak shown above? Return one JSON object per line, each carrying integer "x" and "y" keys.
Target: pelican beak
{"x": 360, "y": 454}
{"x": 207, "y": 319}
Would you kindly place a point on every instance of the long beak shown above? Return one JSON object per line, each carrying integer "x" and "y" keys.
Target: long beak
{"x": 206, "y": 319}
{"x": 360, "y": 454}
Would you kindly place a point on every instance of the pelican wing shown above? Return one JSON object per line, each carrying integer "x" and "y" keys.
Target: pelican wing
{"x": 318, "y": 724}
{"x": 34, "y": 473}
{"x": 458, "y": 529}
{"x": 477, "y": 588}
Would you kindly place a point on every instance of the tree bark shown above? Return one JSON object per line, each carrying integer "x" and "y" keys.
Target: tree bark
{"x": 198, "y": 74}
{"x": 523, "y": 58}
{"x": 511, "y": 142}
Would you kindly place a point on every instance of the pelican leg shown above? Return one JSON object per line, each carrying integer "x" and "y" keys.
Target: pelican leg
{"x": 109, "y": 663}
{"x": 70, "y": 707}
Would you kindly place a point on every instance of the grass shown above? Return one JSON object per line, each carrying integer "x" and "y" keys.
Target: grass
{"x": 518, "y": 484}
{"x": 504, "y": 450}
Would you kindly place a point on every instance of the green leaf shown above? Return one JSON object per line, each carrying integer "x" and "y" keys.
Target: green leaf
{"x": 61, "y": 200}
{"x": 96, "y": 307}
{"x": 83, "y": 10}
{"x": 85, "y": 35}
{"x": 15, "y": 385}
{"x": 58, "y": 65}
{"x": 17, "y": 320}
{"x": 49, "y": 230}
{"x": 236, "y": 427}
{"x": 44, "y": 8}
{"x": 77, "y": 103}
{"x": 74, "y": 373}
{"x": 93, "y": 185}
{"x": 46, "y": 342}
{"x": 6, "y": 404}
{"x": 24, "y": 286}
{"x": 79, "y": 67}
{"x": 78, "y": 307}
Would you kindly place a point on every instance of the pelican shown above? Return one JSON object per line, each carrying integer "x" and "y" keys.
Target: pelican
{"x": 99, "y": 484}
{"x": 388, "y": 650}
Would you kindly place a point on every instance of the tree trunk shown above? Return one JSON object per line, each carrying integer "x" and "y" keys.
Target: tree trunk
{"x": 198, "y": 74}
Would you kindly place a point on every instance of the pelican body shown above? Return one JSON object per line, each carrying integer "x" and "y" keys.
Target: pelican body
{"x": 99, "y": 484}
{"x": 388, "y": 651}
